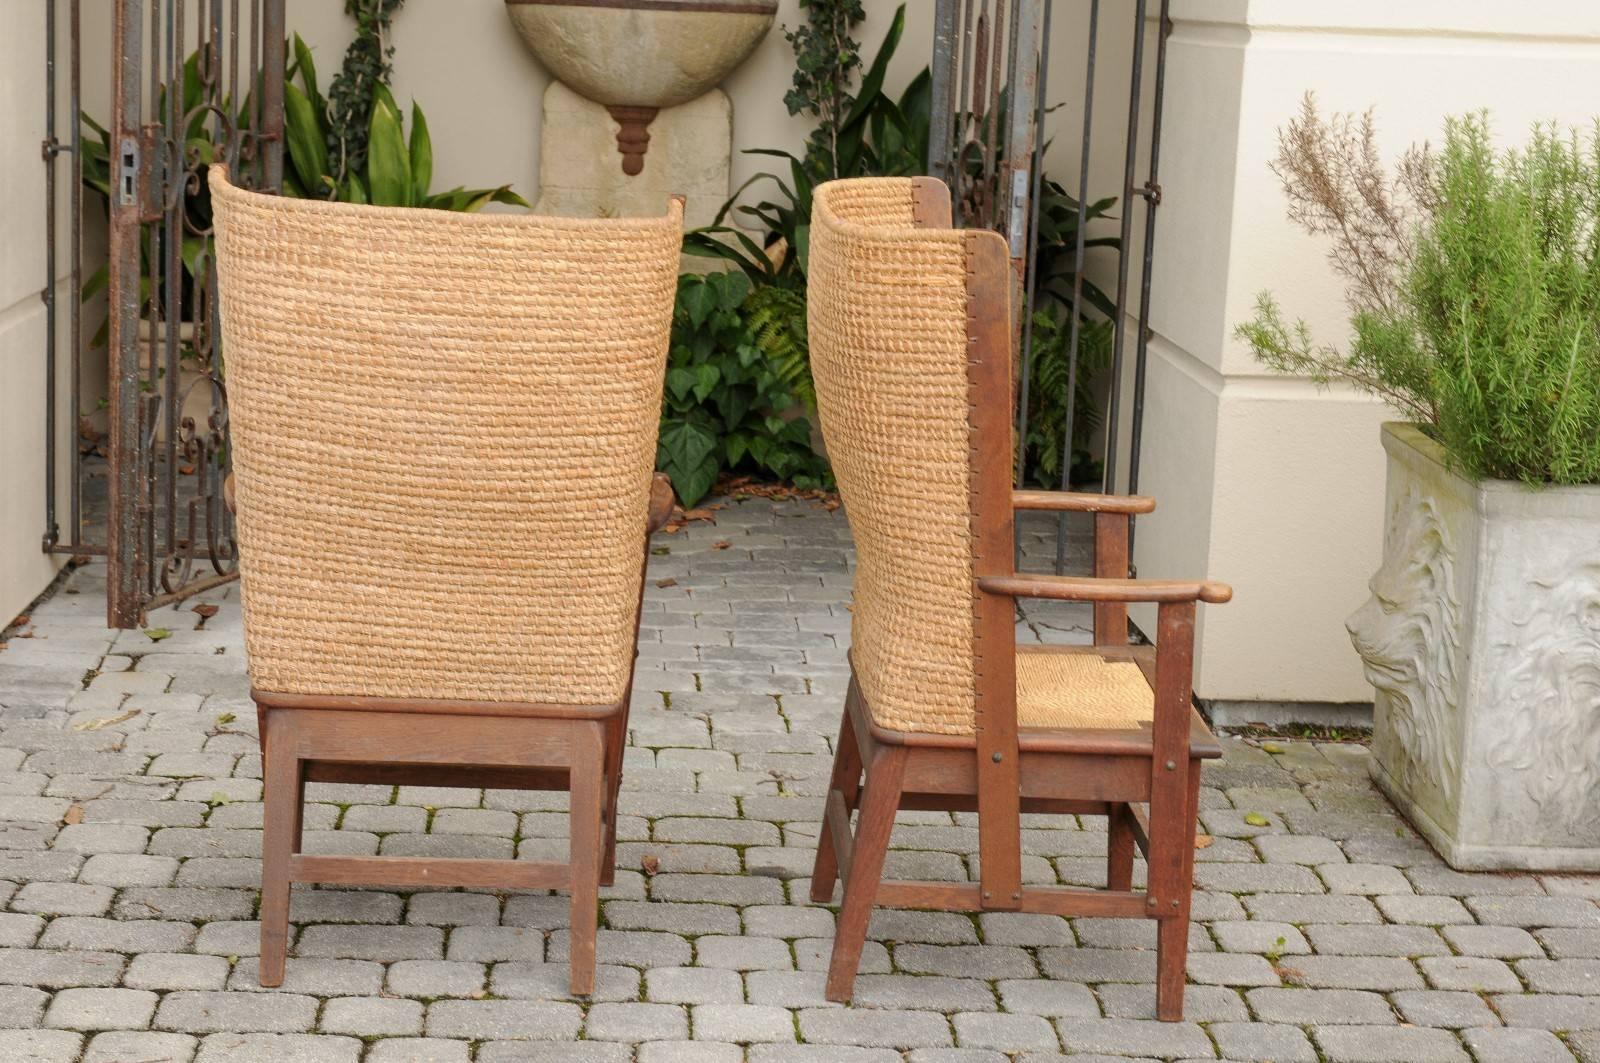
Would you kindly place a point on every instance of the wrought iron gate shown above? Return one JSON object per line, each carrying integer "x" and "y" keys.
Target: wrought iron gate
{"x": 991, "y": 93}
{"x": 193, "y": 82}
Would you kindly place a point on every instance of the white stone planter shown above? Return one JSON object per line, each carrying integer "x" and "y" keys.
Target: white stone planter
{"x": 1482, "y": 640}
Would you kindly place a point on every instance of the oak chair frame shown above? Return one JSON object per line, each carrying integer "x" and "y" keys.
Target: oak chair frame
{"x": 431, "y": 742}
{"x": 1002, "y": 772}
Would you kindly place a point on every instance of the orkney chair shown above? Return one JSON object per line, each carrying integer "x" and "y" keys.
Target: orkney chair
{"x": 443, "y": 428}
{"x": 910, "y": 333}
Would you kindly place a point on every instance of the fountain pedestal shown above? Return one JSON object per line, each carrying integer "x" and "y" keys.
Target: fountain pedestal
{"x": 634, "y": 114}
{"x": 582, "y": 172}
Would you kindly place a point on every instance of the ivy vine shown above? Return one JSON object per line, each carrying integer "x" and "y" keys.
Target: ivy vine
{"x": 350, "y": 95}
{"x": 826, "y": 58}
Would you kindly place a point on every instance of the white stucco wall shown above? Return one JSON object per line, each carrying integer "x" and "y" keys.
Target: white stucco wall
{"x": 1266, "y": 482}
{"x": 24, "y": 568}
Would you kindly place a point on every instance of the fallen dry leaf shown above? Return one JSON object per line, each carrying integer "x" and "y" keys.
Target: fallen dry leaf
{"x": 74, "y": 815}
{"x": 721, "y": 544}
{"x": 1203, "y": 841}
{"x": 22, "y": 618}
{"x": 105, "y": 721}
{"x": 704, "y": 513}
{"x": 206, "y": 609}
{"x": 668, "y": 582}
{"x": 651, "y": 863}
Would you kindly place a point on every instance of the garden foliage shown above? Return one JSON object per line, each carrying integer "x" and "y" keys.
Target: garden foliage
{"x": 1474, "y": 285}
{"x": 393, "y": 170}
{"x": 724, "y": 407}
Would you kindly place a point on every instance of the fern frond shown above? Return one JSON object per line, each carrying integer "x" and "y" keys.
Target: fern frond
{"x": 777, "y": 320}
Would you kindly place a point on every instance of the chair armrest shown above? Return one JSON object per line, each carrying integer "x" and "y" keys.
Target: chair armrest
{"x": 1059, "y": 501}
{"x": 227, "y": 494}
{"x": 1091, "y": 589}
{"x": 660, "y": 503}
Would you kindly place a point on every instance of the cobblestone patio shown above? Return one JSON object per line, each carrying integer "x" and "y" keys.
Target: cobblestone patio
{"x": 129, "y": 836}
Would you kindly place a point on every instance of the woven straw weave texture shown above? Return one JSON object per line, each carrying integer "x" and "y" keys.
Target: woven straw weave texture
{"x": 1066, "y": 690}
{"x": 888, "y": 334}
{"x": 443, "y": 432}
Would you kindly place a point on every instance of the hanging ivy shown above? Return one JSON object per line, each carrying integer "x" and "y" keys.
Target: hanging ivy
{"x": 350, "y": 95}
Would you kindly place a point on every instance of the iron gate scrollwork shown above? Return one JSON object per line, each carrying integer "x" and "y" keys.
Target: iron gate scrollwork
{"x": 991, "y": 90}
{"x": 193, "y": 82}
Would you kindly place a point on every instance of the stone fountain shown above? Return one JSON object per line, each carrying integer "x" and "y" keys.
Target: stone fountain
{"x": 634, "y": 113}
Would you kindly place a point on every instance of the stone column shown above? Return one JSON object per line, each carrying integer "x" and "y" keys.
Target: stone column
{"x": 1267, "y": 482}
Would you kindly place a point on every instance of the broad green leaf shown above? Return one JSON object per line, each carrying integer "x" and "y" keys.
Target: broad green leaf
{"x": 421, "y": 156}
{"x": 698, "y": 300}
{"x": 308, "y": 151}
{"x": 354, "y": 191}
{"x": 382, "y": 96}
{"x": 680, "y": 382}
{"x": 96, "y": 282}
{"x": 706, "y": 378}
{"x": 503, "y": 194}
{"x": 388, "y": 164}
{"x": 687, "y": 444}
{"x": 695, "y": 483}
{"x": 802, "y": 248}
{"x": 308, "y": 74}
{"x": 196, "y": 254}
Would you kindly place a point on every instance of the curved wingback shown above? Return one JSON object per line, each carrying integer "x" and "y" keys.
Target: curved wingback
{"x": 888, "y": 310}
{"x": 443, "y": 428}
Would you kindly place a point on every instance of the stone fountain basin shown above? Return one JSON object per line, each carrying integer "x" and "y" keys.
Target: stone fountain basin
{"x": 642, "y": 53}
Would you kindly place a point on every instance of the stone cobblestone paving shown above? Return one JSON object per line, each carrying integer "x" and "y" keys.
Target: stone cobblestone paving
{"x": 130, "y": 823}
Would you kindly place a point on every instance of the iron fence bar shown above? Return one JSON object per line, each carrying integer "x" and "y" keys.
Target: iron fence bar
{"x": 943, "y": 88}
{"x": 270, "y": 120}
{"x": 1022, "y": 133}
{"x": 75, "y": 267}
{"x": 968, "y": 115}
{"x": 168, "y": 309}
{"x": 1119, "y": 326}
{"x": 49, "y": 150}
{"x": 1152, "y": 202}
{"x": 1030, "y": 276}
{"x": 122, "y": 531}
{"x": 1079, "y": 261}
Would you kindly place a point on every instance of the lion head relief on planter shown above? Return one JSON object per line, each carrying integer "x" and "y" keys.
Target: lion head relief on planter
{"x": 1408, "y": 635}
{"x": 1547, "y": 681}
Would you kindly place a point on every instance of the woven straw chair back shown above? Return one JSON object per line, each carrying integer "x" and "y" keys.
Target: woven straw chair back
{"x": 888, "y": 336}
{"x": 443, "y": 431}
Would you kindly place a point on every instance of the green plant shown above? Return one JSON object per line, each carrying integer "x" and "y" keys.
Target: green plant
{"x": 877, "y": 136}
{"x": 1474, "y": 286}
{"x": 351, "y": 93}
{"x": 194, "y": 249}
{"x": 1049, "y": 384}
{"x": 1055, "y": 267}
{"x": 724, "y": 406}
{"x": 869, "y": 133}
{"x": 825, "y": 60}
{"x": 396, "y": 172}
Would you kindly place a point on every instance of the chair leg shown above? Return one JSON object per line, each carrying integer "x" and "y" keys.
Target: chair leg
{"x": 616, "y": 746}
{"x": 1172, "y": 935}
{"x": 283, "y": 791}
{"x": 588, "y": 847}
{"x": 846, "y": 779}
{"x": 880, "y": 799}
{"x": 1119, "y": 848}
